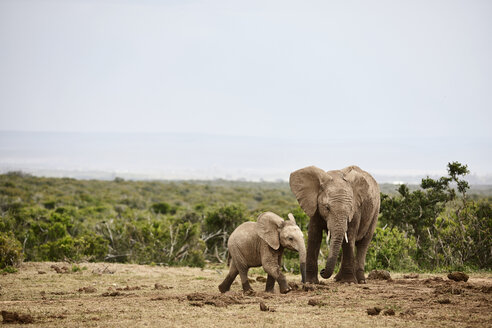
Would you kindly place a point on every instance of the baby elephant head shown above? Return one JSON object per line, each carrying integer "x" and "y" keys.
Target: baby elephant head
{"x": 276, "y": 232}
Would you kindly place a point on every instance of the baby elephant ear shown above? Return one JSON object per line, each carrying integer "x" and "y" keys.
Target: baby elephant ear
{"x": 267, "y": 227}
{"x": 291, "y": 218}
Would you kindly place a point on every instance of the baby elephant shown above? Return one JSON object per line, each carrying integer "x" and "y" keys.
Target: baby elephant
{"x": 262, "y": 243}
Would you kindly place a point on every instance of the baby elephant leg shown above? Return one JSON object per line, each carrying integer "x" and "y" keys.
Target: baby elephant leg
{"x": 243, "y": 273}
{"x": 270, "y": 284}
{"x": 273, "y": 270}
{"x": 229, "y": 279}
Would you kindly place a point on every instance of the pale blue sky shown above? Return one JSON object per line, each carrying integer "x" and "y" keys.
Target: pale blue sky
{"x": 419, "y": 71}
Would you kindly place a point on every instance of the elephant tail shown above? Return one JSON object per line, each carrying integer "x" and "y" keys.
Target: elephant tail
{"x": 228, "y": 259}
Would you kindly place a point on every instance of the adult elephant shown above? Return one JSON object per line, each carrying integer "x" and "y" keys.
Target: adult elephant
{"x": 345, "y": 203}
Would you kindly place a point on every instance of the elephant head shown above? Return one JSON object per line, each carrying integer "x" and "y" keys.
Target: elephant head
{"x": 276, "y": 232}
{"x": 334, "y": 196}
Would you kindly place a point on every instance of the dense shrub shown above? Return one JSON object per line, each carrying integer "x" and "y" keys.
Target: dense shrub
{"x": 436, "y": 226}
{"x": 450, "y": 232}
{"x": 391, "y": 249}
{"x": 162, "y": 208}
{"x": 464, "y": 238}
{"x": 10, "y": 251}
{"x": 218, "y": 225}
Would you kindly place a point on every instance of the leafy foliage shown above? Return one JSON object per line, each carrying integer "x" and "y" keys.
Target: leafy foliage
{"x": 173, "y": 223}
{"x": 10, "y": 251}
{"x": 391, "y": 249}
{"x": 188, "y": 223}
{"x": 449, "y": 232}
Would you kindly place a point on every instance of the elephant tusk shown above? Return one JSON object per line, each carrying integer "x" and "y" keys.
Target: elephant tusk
{"x": 346, "y": 238}
{"x": 328, "y": 238}
{"x": 291, "y": 217}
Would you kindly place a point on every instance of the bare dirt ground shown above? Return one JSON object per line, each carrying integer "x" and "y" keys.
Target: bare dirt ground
{"x": 126, "y": 295}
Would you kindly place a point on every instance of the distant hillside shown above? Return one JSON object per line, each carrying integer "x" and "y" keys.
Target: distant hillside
{"x": 168, "y": 156}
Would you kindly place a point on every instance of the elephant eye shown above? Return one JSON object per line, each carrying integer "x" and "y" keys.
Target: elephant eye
{"x": 327, "y": 207}
{"x": 291, "y": 239}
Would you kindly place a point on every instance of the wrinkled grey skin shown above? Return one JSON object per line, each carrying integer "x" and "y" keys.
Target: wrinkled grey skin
{"x": 262, "y": 243}
{"x": 339, "y": 201}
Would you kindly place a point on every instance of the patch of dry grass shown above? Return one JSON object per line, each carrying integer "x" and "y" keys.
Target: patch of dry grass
{"x": 127, "y": 295}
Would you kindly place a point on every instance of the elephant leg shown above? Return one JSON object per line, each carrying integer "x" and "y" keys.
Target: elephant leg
{"x": 229, "y": 279}
{"x": 274, "y": 271}
{"x": 347, "y": 268}
{"x": 362, "y": 246}
{"x": 270, "y": 284}
{"x": 243, "y": 273}
{"x": 315, "y": 235}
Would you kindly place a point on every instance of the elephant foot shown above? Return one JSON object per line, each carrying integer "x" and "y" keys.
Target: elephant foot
{"x": 223, "y": 288}
{"x": 312, "y": 277}
{"x": 361, "y": 278}
{"x": 247, "y": 290}
{"x": 284, "y": 287}
{"x": 312, "y": 281}
{"x": 346, "y": 277}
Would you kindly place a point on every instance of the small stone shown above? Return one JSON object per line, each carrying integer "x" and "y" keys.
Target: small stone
{"x": 263, "y": 307}
{"x": 88, "y": 289}
{"x": 313, "y": 302}
{"x": 389, "y": 312}
{"x": 458, "y": 276}
{"x": 374, "y": 310}
{"x": 261, "y": 279}
{"x": 14, "y": 317}
{"x": 379, "y": 275}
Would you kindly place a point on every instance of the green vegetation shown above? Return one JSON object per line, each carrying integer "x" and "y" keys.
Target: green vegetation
{"x": 10, "y": 252}
{"x": 434, "y": 227}
{"x": 446, "y": 231}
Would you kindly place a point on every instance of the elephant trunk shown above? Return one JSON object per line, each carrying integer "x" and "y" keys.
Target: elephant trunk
{"x": 335, "y": 244}
{"x": 302, "y": 259}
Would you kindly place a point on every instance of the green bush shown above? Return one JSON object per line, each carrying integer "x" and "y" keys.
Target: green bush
{"x": 161, "y": 208}
{"x": 10, "y": 250}
{"x": 59, "y": 250}
{"x": 464, "y": 238}
{"x": 218, "y": 225}
{"x": 390, "y": 249}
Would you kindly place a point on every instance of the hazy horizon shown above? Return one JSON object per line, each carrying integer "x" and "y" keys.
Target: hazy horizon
{"x": 174, "y": 156}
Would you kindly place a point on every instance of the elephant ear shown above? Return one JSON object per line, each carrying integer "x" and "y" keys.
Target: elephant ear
{"x": 305, "y": 184}
{"x": 355, "y": 176}
{"x": 267, "y": 227}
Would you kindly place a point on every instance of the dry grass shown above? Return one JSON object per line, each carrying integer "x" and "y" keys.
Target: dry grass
{"x": 188, "y": 297}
